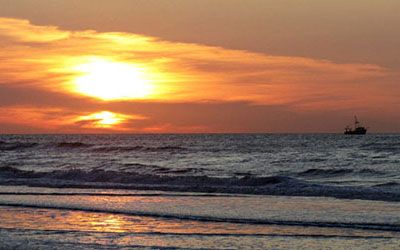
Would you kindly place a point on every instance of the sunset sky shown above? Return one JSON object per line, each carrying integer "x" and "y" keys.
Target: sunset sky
{"x": 130, "y": 66}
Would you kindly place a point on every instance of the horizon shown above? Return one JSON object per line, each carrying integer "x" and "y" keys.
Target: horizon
{"x": 209, "y": 133}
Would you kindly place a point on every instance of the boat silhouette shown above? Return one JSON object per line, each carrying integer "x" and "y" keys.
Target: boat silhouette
{"x": 357, "y": 130}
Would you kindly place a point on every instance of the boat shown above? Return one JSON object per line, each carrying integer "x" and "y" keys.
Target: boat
{"x": 357, "y": 130}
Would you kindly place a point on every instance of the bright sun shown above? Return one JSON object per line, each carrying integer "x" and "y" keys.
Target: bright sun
{"x": 109, "y": 80}
{"x": 103, "y": 119}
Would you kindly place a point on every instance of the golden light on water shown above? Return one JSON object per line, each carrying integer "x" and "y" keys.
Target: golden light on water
{"x": 103, "y": 119}
{"x": 110, "y": 80}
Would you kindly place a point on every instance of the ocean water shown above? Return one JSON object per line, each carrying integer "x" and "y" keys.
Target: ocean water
{"x": 200, "y": 191}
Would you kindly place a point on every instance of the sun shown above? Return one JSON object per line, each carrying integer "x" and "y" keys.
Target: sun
{"x": 111, "y": 80}
{"x": 103, "y": 119}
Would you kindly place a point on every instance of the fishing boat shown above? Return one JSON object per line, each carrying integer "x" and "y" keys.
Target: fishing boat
{"x": 357, "y": 130}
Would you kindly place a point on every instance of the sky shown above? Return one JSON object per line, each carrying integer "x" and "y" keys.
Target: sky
{"x": 193, "y": 66}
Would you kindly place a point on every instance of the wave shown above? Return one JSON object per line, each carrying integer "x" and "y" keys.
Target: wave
{"x": 11, "y": 172}
{"x": 267, "y": 185}
{"x": 107, "y": 149}
{"x": 111, "y": 176}
{"x": 155, "y": 169}
{"x": 165, "y": 215}
{"x": 72, "y": 145}
{"x": 335, "y": 172}
{"x": 10, "y": 146}
{"x": 324, "y": 172}
{"x": 382, "y": 147}
{"x": 116, "y": 149}
{"x": 389, "y": 184}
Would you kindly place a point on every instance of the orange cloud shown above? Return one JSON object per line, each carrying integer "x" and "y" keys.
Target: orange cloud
{"x": 124, "y": 67}
{"x": 56, "y": 119}
{"x": 34, "y": 118}
{"x": 22, "y": 31}
{"x": 105, "y": 119}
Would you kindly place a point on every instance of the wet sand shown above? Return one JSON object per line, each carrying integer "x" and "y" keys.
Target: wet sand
{"x": 102, "y": 219}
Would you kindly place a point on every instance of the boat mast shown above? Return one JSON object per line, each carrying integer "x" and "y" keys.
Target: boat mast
{"x": 356, "y": 122}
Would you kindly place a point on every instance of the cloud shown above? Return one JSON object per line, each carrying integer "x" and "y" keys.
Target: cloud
{"x": 197, "y": 87}
{"x": 22, "y": 31}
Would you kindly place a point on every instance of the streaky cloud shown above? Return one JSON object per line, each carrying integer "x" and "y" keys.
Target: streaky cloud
{"x": 41, "y": 71}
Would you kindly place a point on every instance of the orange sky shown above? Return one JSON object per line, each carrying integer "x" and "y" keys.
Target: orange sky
{"x": 58, "y": 79}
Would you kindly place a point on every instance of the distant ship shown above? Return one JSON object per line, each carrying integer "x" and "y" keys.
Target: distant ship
{"x": 358, "y": 129}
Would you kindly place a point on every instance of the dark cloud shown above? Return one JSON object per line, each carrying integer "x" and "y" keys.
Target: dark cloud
{"x": 19, "y": 94}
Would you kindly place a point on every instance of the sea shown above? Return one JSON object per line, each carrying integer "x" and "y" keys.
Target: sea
{"x": 200, "y": 191}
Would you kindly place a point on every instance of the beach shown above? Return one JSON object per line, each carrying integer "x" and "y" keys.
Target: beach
{"x": 46, "y": 218}
{"x": 199, "y": 124}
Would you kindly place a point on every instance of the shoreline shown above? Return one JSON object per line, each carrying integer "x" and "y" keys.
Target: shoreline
{"x": 164, "y": 220}
{"x": 281, "y": 188}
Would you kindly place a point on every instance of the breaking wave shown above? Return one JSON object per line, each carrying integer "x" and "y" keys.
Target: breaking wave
{"x": 259, "y": 185}
{"x": 111, "y": 176}
{"x": 389, "y": 184}
{"x": 332, "y": 172}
